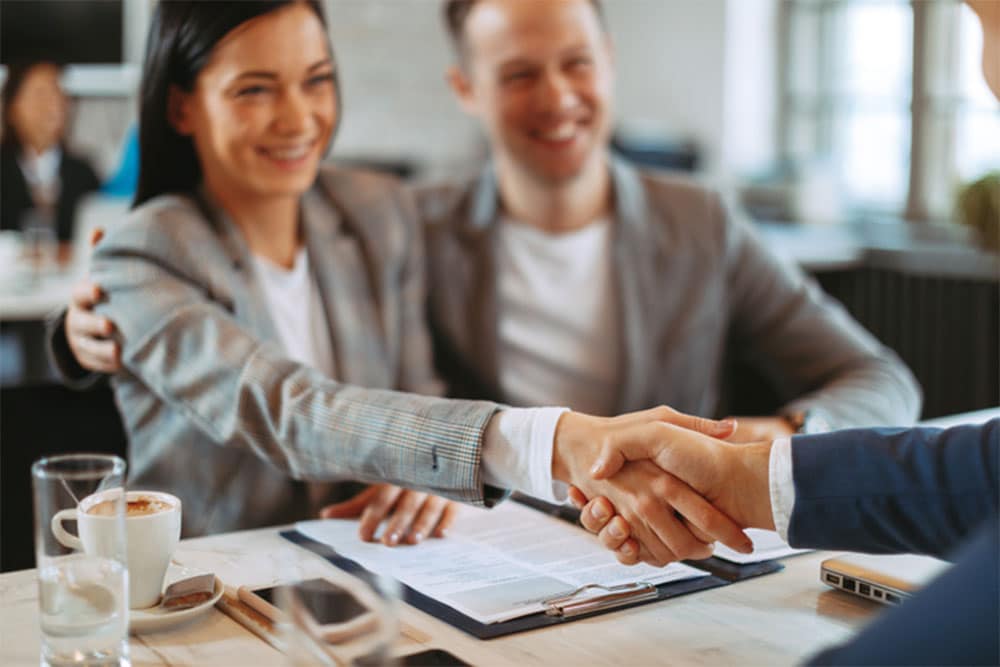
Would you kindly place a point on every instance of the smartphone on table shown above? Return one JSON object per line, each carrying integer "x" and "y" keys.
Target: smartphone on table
{"x": 336, "y": 614}
{"x": 433, "y": 658}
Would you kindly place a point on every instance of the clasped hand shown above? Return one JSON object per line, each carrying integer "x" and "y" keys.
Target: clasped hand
{"x": 730, "y": 479}
{"x": 663, "y": 518}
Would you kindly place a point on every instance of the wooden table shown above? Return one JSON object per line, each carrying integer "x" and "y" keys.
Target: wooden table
{"x": 778, "y": 619}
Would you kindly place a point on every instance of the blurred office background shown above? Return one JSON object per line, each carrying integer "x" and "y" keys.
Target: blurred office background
{"x": 884, "y": 96}
{"x": 859, "y": 135}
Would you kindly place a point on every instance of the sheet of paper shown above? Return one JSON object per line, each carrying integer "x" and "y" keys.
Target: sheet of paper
{"x": 767, "y": 545}
{"x": 497, "y": 564}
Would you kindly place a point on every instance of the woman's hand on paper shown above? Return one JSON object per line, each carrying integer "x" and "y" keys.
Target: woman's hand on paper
{"x": 409, "y": 516}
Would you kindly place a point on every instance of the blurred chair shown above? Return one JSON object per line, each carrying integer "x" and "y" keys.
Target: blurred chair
{"x": 401, "y": 168}
{"x": 660, "y": 154}
{"x": 945, "y": 328}
{"x": 125, "y": 180}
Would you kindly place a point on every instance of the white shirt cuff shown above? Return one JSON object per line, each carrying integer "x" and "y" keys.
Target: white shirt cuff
{"x": 518, "y": 453}
{"x": 781, "y": 485}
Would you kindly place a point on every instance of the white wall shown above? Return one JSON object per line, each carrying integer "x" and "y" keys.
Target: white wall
{"x": 392, "y": 56}
{"x": 670, "y": 68}
{"x": 750, "y": 85}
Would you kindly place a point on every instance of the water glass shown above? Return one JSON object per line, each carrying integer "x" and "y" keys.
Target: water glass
{"x": 340, "y": 619}
{"x": 41, "y": 244}
{"x": 82, "y": 591}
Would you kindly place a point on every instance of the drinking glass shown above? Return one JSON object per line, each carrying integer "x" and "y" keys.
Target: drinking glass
{"x": 340, "y": 619}
{"x": 41, "y": 244}
{"x": 82, "y": 590}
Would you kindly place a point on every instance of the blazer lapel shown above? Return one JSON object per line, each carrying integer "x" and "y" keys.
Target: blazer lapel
{"x": 479, "y": 237}
{"x": 637, "y": 292}
{"x": 345, "y": 282}
{"x": 249, "y": 304}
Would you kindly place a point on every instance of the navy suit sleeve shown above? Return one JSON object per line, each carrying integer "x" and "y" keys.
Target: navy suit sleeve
{"x": 918, "y": 490}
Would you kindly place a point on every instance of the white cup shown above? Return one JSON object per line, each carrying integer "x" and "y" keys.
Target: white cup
{"x": 150, "y": 539}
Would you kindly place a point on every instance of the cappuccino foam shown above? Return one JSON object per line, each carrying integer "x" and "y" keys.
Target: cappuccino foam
{"x": 140, "y": 506}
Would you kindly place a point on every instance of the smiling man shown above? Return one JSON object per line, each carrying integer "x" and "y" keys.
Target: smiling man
{"x": 561, "y": 274}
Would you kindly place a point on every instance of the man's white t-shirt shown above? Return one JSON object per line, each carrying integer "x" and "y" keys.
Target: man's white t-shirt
{"x": 558, "y": 329}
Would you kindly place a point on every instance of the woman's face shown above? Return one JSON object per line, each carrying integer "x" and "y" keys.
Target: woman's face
{"x": 263, "y": 109}
{"x": 38, "y": 113}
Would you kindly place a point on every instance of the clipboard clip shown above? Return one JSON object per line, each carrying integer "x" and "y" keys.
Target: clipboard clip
{"x": 567, "y": 606}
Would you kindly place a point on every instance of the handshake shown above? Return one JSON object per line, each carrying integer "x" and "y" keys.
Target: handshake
{"x": 659, "y": 486}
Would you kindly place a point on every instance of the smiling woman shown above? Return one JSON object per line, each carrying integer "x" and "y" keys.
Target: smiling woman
{"x": 222, "y": 286}
{"x": 250, "y": 112}
{"x": 260, "y": 124}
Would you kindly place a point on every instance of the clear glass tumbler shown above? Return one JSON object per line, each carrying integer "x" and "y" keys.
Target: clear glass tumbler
{"x": 41, "y": 244}
{"x": 340, "y": 619}
{"x": 82, "y": 576}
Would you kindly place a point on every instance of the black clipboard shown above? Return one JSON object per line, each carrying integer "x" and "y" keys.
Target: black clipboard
{"x": 562, "y": 610}
{"x": 718, "y": 567}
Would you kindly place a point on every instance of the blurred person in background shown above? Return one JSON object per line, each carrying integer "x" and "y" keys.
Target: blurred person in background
{"x": 38, "y": 175}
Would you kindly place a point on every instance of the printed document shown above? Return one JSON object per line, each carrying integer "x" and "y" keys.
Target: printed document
{"x": 495, "y": 565}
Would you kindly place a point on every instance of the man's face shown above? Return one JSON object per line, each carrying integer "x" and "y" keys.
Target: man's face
{"x": 539, "y": 75}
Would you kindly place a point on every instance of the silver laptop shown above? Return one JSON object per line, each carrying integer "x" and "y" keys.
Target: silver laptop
{"x": 885, "y": 579}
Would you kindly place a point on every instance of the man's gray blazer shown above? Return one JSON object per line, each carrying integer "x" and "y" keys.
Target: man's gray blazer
{"x": 692, "y": 279}
{"x": 215, "y": 411}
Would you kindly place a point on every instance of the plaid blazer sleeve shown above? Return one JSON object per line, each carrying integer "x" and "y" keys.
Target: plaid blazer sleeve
{"x": 190, "y": 352}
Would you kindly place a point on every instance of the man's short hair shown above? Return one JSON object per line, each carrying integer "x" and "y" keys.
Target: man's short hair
{"x": 456, "y": 14}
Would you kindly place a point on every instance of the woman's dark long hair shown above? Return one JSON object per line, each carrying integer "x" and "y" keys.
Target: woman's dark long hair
{"x": 17, "y": 74}
{"x": 181, "y": 39}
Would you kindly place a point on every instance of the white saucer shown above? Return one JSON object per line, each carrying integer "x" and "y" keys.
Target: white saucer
{"x": 157, "y": 618}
